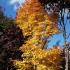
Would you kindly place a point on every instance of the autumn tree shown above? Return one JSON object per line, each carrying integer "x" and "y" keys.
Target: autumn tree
{"x": 35, "y": 22}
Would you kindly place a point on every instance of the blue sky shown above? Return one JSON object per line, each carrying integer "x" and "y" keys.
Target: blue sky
{"x": 10, "y": 7}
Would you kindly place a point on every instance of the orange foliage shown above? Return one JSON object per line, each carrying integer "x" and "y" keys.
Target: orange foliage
{"x": 36, "y": 23}
{"x": 43, "y": 59}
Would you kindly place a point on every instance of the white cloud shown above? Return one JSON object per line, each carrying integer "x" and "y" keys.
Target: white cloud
{"x": 16, "y": 3}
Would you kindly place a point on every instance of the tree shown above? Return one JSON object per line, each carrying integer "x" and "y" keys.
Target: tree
{"x": 11, "y": 38}
{"x": 34, "y": 21}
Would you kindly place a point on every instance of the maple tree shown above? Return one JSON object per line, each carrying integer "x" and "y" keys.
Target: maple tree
{"x": 34, "y": 21}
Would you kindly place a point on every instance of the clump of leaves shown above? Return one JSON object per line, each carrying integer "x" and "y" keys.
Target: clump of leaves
{"x": 35, "y": 22}
{"x": 39, "y": 59}
{"x": 11, "y": 38}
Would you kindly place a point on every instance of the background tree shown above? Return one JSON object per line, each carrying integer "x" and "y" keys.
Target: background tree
{"x": 11, "y": 38}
